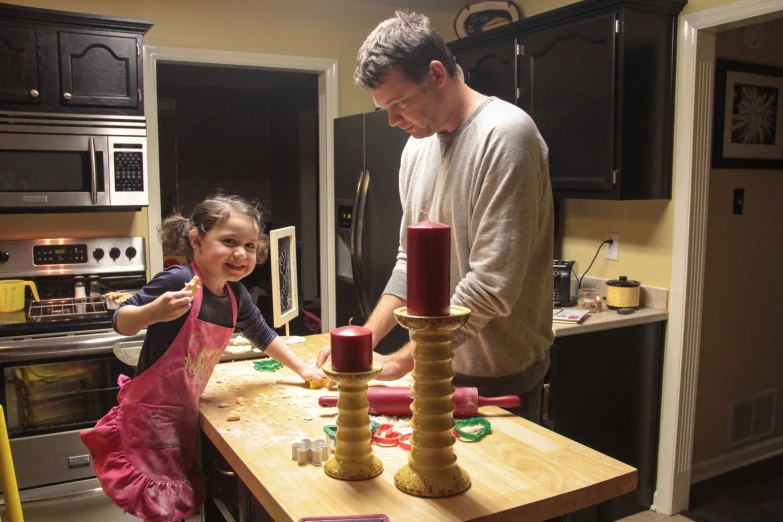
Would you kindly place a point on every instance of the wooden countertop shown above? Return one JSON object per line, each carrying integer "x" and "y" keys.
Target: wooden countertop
{"x": 519, "y": 472}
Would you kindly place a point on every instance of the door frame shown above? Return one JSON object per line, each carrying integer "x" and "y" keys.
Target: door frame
{"x": 693, "y": 148}
{"x": 328, "y": 110}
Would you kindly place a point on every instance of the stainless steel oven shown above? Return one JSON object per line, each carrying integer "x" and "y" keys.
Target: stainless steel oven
{"x": 58, "y": 371}
{"x": 74, "y": 162}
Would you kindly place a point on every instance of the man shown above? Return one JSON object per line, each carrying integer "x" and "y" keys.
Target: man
{"x": 479, "y": 165}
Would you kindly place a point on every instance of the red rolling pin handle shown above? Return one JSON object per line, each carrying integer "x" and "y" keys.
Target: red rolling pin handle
{"x": 397, "y": 401}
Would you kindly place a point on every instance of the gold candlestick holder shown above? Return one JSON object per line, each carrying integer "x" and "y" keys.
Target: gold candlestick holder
{"x": 353, "y": 458}
{"x": 432, "y": 469}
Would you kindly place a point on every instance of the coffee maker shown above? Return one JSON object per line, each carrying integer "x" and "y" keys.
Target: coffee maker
{"x": 564, "y": 283}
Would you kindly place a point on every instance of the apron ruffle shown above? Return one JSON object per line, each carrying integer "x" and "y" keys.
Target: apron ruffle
{"x": 131, "y": 489}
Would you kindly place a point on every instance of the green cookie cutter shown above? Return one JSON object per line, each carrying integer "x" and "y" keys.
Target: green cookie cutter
{"x": 472, "y": 422}
{"x": 267, "y": 365}
{"x": 331, "y": 429}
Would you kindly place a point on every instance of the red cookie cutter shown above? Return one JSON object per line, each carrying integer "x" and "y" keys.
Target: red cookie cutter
{"x": 386, "y": 436}
{"x": 405, "y": 443}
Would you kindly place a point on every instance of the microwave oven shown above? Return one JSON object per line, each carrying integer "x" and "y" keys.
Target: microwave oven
{"x": 57, "y": 162}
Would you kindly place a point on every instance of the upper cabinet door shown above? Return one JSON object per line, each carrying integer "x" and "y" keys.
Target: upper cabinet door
{"x": 98, "y": 70}
{"x": 18, "y": 65}
{"x": 567, "y": 84}
{"x": 491, "y": 69}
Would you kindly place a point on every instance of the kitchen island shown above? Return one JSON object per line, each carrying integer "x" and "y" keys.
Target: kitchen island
{"x": 519, "y": 472}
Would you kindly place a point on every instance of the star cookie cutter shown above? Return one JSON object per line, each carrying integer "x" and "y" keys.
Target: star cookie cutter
{"x": 316, "y": 451}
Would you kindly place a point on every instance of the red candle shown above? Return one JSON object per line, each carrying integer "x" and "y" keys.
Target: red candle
{"x": 429, "y": 257}
{"x": 351, "y": 349}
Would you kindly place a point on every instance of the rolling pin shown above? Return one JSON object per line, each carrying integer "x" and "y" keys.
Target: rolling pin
{"x": 397, "y": 401}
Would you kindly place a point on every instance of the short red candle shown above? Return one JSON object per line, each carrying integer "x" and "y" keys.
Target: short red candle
{"x": 351, "y": 349}
{"x": 429, "y": 263}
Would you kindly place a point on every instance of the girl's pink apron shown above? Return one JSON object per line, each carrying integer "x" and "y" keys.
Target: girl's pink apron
{"x": 144, "y": 449}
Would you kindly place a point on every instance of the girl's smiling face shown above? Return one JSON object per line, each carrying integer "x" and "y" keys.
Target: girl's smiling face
{"x": 227, "y": 252}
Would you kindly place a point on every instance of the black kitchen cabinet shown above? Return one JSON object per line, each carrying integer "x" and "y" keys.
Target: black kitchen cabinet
{"x": 566, "y": 77}
{"x": 62, "y": 62}
{"x": 99, "y": 70}
{"x": 604, "y": 391}
{"x": 597, "y": 77}
{"x": 18, "y": 65}
{"x": 491, "y": 69}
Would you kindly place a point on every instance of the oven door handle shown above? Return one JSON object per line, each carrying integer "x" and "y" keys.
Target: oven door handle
{"x": 77, "y": 347}
{"x": 58, "y": 494}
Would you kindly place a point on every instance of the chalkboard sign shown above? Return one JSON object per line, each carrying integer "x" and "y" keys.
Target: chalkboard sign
{"x": 285, "y": 295}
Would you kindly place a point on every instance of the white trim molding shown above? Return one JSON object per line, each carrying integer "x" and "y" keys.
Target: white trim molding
{"x": 328, "y": 110}
{"x": 737, "y": 459}
{"x": 693, "y": 144}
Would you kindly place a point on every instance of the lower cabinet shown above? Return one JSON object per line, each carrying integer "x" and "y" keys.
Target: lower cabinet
{"x": 604, "y": 391}
{"x": 228, "y": 499}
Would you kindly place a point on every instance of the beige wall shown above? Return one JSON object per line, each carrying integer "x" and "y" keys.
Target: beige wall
{"x": 741, "y": 341}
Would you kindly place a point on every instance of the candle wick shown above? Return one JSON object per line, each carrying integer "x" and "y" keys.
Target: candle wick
{"x": 349, "y": 321}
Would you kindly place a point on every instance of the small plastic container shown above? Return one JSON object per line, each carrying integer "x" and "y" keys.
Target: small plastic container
{"x": 590, "y": 299}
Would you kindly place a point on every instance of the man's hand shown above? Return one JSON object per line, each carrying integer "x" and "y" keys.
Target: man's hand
{"x": 323, "y": 356}
{"x": 397, "y": 365}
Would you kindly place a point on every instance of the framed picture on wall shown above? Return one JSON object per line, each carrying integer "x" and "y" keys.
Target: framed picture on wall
{"x": 285, "y": 294}
{"x": 748, "y": 117}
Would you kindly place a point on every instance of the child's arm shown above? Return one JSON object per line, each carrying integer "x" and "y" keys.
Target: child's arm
{"x": 280, "y": 351}
{"x": 132, "y": 319}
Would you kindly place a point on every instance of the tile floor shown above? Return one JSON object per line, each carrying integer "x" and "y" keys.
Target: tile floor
{"x": 652, "y": 516}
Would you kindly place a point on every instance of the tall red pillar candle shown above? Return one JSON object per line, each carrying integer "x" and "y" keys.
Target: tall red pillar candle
{"x": 429, "y": 262}
{"x": 351, "y": 349}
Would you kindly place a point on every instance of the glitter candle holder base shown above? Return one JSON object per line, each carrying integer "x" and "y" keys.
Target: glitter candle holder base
{"x": 353, "y": 458}
{"x": 432, "y": 469}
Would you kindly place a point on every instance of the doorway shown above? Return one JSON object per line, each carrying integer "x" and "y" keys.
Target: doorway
{"x": 303, "y": 196}
{"x": 239, "y": 130}
{"x": 693, "y": 149}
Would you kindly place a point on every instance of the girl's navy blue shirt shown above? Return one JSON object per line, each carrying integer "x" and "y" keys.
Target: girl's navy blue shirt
{"x": 215, "y": 309}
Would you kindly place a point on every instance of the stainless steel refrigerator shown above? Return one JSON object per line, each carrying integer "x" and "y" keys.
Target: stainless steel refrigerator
{"x": 366, "y": 163}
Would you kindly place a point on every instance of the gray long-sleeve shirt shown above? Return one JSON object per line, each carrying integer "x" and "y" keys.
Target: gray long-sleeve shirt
{"x": 488, "y": 180}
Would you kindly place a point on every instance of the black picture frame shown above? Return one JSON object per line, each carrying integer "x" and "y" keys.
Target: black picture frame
{"x": 749, "y": 142}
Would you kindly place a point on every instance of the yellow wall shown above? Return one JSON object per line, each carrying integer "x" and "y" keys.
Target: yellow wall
{"x": 741, "y": 342}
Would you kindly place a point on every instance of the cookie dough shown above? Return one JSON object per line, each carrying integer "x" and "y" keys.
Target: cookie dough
{"x": 192, "y": 285}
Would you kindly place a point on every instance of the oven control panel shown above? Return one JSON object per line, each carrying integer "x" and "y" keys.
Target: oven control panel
{"x": 59, "y": 254}
{"x": 37, "y": 257}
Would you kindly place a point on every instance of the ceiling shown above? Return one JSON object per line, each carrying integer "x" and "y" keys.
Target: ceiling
{"x": 448, "y": 6}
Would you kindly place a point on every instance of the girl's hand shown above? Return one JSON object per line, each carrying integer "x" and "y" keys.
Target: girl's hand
{"x": 170, "y": 305}
{"x": 309, "y": 373}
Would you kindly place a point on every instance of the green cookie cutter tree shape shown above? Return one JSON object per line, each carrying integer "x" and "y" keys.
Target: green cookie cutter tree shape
{"x": 267, "y": 365}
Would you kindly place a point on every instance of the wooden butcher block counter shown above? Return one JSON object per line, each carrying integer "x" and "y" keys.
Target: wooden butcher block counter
{"x": 519, "y": 472}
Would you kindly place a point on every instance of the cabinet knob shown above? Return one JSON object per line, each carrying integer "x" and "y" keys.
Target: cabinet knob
{"x": 67, "y": 95}
{"x": 34, "y": 93}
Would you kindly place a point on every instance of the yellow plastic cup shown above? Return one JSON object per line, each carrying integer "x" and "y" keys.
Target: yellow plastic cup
{"x": 12, "y": 294}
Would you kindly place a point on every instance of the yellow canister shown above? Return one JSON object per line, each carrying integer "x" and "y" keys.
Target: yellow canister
{"x": 623, "y": 293}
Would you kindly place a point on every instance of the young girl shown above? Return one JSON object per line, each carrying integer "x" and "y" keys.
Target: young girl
{"x": 144, "y": 449}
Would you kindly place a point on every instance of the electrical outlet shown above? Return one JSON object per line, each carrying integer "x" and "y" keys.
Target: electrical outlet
{"x": 612, "y": 251}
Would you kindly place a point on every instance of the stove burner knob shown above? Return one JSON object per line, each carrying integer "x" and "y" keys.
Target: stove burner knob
{"x": 130, "y": 252}
{"x": 114, "y": 253}
{"x": 98, "y": 254}
{"x": 4, "y": 256}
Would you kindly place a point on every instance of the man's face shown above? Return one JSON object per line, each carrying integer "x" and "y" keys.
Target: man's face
{"x": 411, "y": 106}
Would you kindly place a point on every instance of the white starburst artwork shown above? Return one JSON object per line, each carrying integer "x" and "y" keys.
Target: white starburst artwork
{"x": 753, "y": 119}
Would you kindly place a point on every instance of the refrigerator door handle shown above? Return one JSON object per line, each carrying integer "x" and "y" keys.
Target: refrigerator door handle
{"x": 357, "y": 243}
